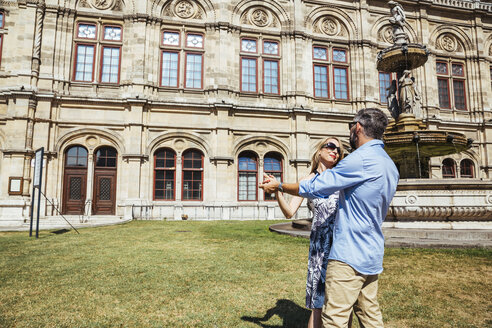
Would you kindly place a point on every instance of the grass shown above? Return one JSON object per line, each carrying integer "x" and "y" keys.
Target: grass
{"x": 216, "y": 274}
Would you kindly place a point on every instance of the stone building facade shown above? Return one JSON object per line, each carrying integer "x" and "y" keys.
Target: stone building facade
{"x": 165, "y": 109}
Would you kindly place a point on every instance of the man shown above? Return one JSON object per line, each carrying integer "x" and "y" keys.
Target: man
{"x": 367, "y": 180}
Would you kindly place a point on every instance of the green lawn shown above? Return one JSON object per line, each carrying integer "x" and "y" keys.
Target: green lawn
{"x": 215, "y": 274}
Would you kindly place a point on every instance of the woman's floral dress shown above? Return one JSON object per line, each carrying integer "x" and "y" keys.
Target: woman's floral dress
{"x": 324, "y": 213}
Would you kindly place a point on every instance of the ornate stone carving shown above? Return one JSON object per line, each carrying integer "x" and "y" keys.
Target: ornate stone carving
{"x": 386, "y": 34}
{"x": 411, "y": 199}
{"x": 490, "y": 50}
{"x": 83, "y": 4}
{"x": 260, "y": 18}
{"x": 102, "y": 4}
{"x": 448, "y": 43}
{"x": 184, "y": 9}
{"x": 330, "y": 26}
{"x": 489, "y": 199}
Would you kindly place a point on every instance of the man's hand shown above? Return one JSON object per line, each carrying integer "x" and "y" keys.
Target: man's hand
{"x": 269, "y": 184}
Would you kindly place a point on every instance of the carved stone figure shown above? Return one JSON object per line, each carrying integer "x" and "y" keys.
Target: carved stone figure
{"x": 102, "y": 4}
{"x": 397, "y": 21}
{"x": 392, "y": 100}
{"x": 407, "y": 93}
{"x": 259, "y": 17}
{"x": 184, "y": 9}
{"x": 329, "y": 26}
{"x": 417, "y": 106}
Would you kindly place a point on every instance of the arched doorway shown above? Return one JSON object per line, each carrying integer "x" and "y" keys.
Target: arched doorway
{"x": 74, "y": 180}
{"x": 104, "y": 191}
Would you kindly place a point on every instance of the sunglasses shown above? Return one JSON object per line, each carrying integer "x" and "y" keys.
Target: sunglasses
{"x": 331, "y": 146}
{"x": 351, "y": 125}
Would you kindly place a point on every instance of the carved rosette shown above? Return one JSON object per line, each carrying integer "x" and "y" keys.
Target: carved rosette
{"x": 102, "y": 4}
{"x": 329, "y": 26}
{"x": 448, "y": 43}
{"x": 386, "y": 34}
{"x": 183, "y": 9}
{"x": 260, "y": 17}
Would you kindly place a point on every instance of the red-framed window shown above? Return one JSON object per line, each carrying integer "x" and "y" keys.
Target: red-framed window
{"x": 164, "y": 174}
{"x": 2, "y": 19}
{"x": 451, "y": 85}
{"x": 260, "y": 58}
{"x": 330, "y": 64}
{"x": 174, "y": 46}
{"x": 321, "y": 88}
{"x": 192, "y": 181}
{"x": 194, "y": 73}
{"x": 169, "y": 69}
{"x": 89, "y": 37}
{"x": 110, "y": 64}
{"x": 467, "y": 169}
{"x": 272, "y": 165}
{"x": 249, "y": 74}
{"x": 247, "y": 176}
{"x": 448, "y": 168}
{"x": 271, "y": 76}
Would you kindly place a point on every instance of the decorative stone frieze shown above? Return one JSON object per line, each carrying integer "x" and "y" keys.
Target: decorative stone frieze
{"x": 329, "y": 25}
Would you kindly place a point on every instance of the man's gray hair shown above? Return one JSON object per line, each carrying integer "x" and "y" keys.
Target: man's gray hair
{"x": 373, "y": 120}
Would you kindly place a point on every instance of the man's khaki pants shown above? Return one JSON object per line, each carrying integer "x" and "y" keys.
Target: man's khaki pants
{"x": 346, "y": 288}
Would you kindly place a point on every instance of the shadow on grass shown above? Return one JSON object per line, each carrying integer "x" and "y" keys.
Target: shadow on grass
{"x": 292, "y": 315}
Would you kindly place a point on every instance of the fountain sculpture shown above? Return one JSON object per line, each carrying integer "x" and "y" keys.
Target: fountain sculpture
{"x": 407, "y": 140}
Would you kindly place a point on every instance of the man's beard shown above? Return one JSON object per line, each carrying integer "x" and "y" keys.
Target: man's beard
{"x": 353, "y": 139}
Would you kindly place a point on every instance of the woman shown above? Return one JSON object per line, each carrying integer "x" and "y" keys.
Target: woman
{"x": 328, "y": 153}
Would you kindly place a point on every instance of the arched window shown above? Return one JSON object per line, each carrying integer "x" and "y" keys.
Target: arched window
{"x": 466, "y": 169}
{"x": 448, "y": 168}
{"x": 164, "y": 174}
{"x": 272, "y": 164}
{"x": 76, "y": 156}
{"x": 106, "y": 157}
{"x": 192, "y": 175}
{"x": 247, "y": 176}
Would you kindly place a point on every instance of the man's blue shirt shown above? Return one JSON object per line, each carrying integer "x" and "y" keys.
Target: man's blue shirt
{"x": 367, "y": 180}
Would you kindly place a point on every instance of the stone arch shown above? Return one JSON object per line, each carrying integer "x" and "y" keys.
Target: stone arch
{"x": 380, "y": 26}
{"x": 179, "y": 142}
{"x": 261, "y": 146}
{"x": 488, "y": 46}
{"x": 158, "y": 6}
{"x": 455, "y": 34}
{"x": 91, "y": 139}
{"x": 329, "y": 11}
{"x": 271, "y": 5}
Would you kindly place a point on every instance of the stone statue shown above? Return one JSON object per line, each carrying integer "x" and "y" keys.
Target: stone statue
{"x": 392, "y": 100}
{"x": 397, "y": 21}
{"x": 407, "y": 93}
{"x": 417, "y": 104}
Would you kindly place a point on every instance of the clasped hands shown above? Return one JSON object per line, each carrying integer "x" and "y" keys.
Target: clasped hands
{"x": 269, "y": 184}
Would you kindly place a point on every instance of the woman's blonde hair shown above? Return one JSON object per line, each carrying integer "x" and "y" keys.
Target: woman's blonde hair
{"x": 315, "y": 157}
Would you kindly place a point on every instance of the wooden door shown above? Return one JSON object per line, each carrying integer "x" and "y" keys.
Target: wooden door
{"x": 75, "y": 181}
{"x": 104, "y": 191}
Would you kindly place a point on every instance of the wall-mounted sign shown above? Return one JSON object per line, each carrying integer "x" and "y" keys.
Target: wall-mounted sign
{"x": 15, "y": 185}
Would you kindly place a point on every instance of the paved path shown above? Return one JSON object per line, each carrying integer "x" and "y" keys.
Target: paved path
{"x": 420, "y": 236}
